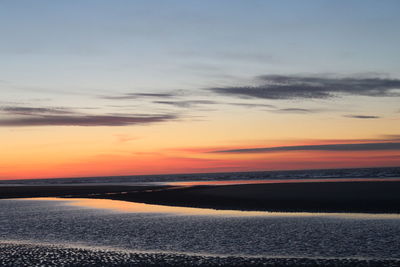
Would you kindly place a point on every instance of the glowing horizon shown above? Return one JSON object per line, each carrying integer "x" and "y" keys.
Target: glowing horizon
{"x": 133, "y": 88}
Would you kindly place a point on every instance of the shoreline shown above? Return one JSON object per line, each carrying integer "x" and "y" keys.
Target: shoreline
{"x": 355, "y": 197}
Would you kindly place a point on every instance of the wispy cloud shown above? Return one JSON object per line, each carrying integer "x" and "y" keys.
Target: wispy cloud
{"x": 362, "y": 116}
{"x": 393, "y": 137}
{"x": 251, "y": 105}
{"x": 186, "y": 103}
{"x": 312, "y": 87}
{"x": 124, "y": 138}
{"x": 140, "y": 95}
{"x": 83, "y": 120}
{"x": 328, "y": 147}
{"x": 38, "y": 116}
{"x": 18, "y": 110}
{"x": 296, "y": 110}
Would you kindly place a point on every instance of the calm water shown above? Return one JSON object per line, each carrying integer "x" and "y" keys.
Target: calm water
{"x": 359, "y": 173}
{"x": 153, "y": 228}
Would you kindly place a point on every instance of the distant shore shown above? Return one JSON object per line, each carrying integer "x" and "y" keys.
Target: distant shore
{"x": 366, "y": 197}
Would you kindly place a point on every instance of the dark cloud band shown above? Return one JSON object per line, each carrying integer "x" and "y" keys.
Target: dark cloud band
{"x": 362, "y": 116}
{"x": 330, "y": 147}
{"x": 301, "y": 87}
{"x": 18, "y": 116}
{"x": 87, "y": 120}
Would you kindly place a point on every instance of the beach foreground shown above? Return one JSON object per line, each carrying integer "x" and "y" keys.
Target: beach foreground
{"x": 50, "y": 255}
{"x": 344, "y": 196}
{"x": 104, "y": 232}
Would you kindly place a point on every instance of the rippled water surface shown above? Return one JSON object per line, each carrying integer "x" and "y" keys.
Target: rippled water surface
{"x": 142, "y": 227}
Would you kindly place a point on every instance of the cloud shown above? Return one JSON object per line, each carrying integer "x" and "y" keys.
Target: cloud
{"x": 329, "y": 147}
{"x": 312, "y": 87}
{"x": 186, "y": 103}
{"x": 86, "y": 120}
{"x": 296, "y": 110}
{"x": 140, "y": 95}
{"x": 271, "y": 108}
{"x": 124, "y": 138}
{"x": 191, "y": 103}
{"x": 32, "y": 116}
{"x": 393, "y": 137}
{"x": 251, "y": 105}
{"x": 362, "y": 116}
{"x": 34, "y": 110}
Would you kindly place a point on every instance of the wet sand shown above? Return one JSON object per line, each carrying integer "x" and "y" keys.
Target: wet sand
{"x": 371, "y": 197}
{"x": 350, "y": 196}
{"x": 12, "y": 254}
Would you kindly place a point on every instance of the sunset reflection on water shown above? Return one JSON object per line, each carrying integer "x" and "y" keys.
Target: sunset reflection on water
{"x": 135, "y": 207}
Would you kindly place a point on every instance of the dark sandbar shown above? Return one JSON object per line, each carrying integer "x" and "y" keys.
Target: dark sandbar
{"x": 371, "y": 197}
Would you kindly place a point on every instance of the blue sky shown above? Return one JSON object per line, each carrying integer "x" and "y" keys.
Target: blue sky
{"x": 245, "y": 74}
{"x": 94, "y": 46}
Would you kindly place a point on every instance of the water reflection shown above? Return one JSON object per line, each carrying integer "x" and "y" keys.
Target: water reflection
{"x": 135, "y": 207}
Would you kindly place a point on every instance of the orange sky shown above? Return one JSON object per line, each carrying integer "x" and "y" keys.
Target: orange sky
{"x": 145, "y": 87}
{"x": 182, "y": 147}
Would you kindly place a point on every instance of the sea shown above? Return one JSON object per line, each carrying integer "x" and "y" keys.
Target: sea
{"x": 94, "y": 232}
{"x": 387, "y": 172}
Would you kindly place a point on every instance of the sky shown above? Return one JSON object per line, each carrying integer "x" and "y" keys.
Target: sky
{"x": 101, "y": 88}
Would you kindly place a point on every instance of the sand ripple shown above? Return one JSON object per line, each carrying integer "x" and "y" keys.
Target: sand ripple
{"x": 48, "y": 255}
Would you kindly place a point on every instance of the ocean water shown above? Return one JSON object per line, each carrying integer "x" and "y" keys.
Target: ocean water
{"x": 382, "y": 173}
{"x": 135, "y": 227}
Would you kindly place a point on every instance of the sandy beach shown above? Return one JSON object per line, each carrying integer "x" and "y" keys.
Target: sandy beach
{"x": 86, "y": 226}
{"x": 42, "y": 255}
{"x": 370, "y": 197}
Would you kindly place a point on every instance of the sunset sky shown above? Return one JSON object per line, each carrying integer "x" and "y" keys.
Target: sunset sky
{"x": 100, "y": 88}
